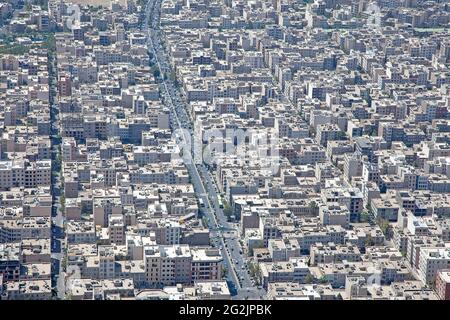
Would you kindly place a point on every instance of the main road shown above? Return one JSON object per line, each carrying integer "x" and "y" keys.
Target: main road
{"x": 226, "y": 235}
{"x": 58, "y": 243}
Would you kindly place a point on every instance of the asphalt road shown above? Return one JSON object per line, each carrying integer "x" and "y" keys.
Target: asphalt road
{"x": 226, "y": 234}
{"x": 58, "y": 243}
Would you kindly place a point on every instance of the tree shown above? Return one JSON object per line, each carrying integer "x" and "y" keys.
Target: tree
{"x": 365, "y": 216}
{"x": 255, "y": 271}
{"x": 384, "y": 226}
{"x": 313, "y": 207}
{"x": 121, "y": 257}
{"x": 259, "y": 244}
{"x": 369, "y": 241}
{"x": 323, "y": 279}
{"x": 172, "y": 76}
{"x": 62, "y": 201}
{"x": 49, "y": 43}
{"x": 15, "y": 49}
{"x": 205, "y": 222}
{"x": 141, "y": 3}
{"x": 227, "y": 209}
{"x": 224, "y": 271}
{"x": 64, "y": 263}
{"x": 309, "y": 278}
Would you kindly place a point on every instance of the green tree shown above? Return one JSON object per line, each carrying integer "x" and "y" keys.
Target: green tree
{"x": 227, "y": 209}
{"x": 323, "y": 279}
{"x": 172, "y": 76}
{"x": 369, "y": 241}
{"x": 259, "y": 244}
{"x": 64, "y": 263}
{"x": 49, "y": 42}
{"x": 384, "y": 226}
{"x": 309, "y": 278}
{"x": 255, "y": 271}
{"x": 205, "y": 222}
{"x": 313, "y": 207}
{"x": 14, "y": 49}
{"x": 62, "y": 201}
{"x": 365, "y": 216}
{"x": 224, "y": 271}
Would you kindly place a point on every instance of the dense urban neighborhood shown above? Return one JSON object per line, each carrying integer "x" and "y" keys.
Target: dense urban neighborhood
{"x": 225, "y": 149}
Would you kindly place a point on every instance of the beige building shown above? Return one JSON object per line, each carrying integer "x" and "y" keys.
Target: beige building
{"x": 28, "y": 290}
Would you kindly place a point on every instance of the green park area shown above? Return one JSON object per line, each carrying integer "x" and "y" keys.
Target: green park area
{"x": 9, "y": 44}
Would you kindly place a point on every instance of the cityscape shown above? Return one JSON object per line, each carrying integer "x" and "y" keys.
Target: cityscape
{"x": 225, "y": 150}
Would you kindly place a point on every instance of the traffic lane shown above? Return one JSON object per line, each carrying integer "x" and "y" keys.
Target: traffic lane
{"x": 56, "y": 245}
{"x": 240, "y": 262}
{"x": 200, "y": 183}
{"x": 210, "y": 215}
